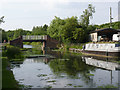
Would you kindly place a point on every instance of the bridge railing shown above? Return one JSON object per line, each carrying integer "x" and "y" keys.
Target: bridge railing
{"x": 34, "y": 37}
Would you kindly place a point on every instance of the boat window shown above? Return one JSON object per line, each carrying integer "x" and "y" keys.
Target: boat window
{"x": 117, "y": 45}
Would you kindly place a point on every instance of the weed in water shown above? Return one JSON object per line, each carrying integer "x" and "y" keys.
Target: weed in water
{"x": 42, "y": 75}
{"x": 52, "y": 81}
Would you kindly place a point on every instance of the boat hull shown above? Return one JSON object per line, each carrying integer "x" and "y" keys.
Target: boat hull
{"x": 108, "y": 49}
{"x": 103, "y": 53}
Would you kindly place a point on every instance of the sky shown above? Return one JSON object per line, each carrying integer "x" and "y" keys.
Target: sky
{"x": 28, "y": 13}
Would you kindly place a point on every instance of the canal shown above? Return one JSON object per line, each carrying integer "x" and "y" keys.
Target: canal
{"x": 66, "y": 70}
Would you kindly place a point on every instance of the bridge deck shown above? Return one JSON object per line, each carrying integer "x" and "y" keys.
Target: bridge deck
{"x": 34, "y": 37}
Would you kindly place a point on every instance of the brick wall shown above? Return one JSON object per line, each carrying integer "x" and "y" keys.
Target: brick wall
{"x": 51, "y": 43}
{"x": 17, "y": 42}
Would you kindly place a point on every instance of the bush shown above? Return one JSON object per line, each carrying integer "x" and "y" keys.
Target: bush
{"x": 77, "y": 46}
{"x": 13, "y": 53}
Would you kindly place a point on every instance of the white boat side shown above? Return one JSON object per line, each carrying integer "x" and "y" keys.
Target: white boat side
{"x": 106, "y": 47}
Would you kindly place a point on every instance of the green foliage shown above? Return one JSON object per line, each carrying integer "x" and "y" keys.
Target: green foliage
{"x": 35, "y": 51}
{"x": 79, "y": 34}
{"x": 73, "y": 45}
{"x": 71, "y": 25}
{"x": 115, "y": 25}
{"x": 26, "y": 43}
{"x": 8, "y": 80}
{"x": 70, "y": 29}
{"x": 87, "y": 14}
{"x": 56, "y": 28}
{"x": 91, "y": 28}
{"x": 40, "y": 30}
{"x": 19, "y": 32}
{"x": 66, "y": 46}
{"x": 89, "y": 74}
{"x": 10, "y": 35}
{"x": 66, "y": 30}
{"x": 13, "y": 53}
{"x": 1, "y": 20}
{"x": 77, "y": 46}
{"x": 107, "y": 86}
{"x": 3, "y": 34}
{"x": 16, "y": 33}
{"x": 71, "y": 66}
{"x": 37, "y": 47}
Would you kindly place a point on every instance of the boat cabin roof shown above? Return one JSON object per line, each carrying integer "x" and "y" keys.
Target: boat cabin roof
{"x": 106, "y": 31}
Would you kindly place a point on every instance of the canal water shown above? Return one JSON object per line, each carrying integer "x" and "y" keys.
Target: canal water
{"x": 66, "y": 70}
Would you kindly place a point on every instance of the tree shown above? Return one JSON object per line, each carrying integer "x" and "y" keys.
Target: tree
{"x": 69, "y": 28}
{"x": 1, "y": 20}
{"x": 115, "y": 25}
{"x": 45, "y": 27}
{"x": 10, "y": 34}
{"x": 62, "y": 29}
{"x": 13, "y": 34}
{"x": 56, "y": 28}
{"x": 79, "y": 35}
{"x": 87, "y": 14}
{"x": 2, "y": 32}
{"x": 66, "y": 30}
{"x": 4, "y": 36}
{"x": 40, "y": 30}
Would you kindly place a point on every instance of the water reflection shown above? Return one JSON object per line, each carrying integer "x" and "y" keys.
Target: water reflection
{"x": 102, "y": 64}
{"x": 66, "y": 71}
{"x": 16, "y": 64}
{"x": 71, "y": 66}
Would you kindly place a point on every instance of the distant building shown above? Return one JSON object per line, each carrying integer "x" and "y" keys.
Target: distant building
{"x": 106, "y": 34}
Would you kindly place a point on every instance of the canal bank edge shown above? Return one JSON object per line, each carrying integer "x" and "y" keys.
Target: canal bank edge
{"x": 87, "y": 54}
{"x": 8, "y": 80}
{"x": 102, "y": 49}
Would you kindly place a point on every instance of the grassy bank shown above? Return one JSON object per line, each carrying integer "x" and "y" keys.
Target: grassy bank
{"x": 10, "y": 53}
{"x": 67, "y": 46}
{"x": 8, "y": 80}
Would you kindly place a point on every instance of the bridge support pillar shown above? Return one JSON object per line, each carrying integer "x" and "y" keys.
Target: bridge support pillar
{"x": 44, "y": 52}
{"x": 44, "y": 45}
